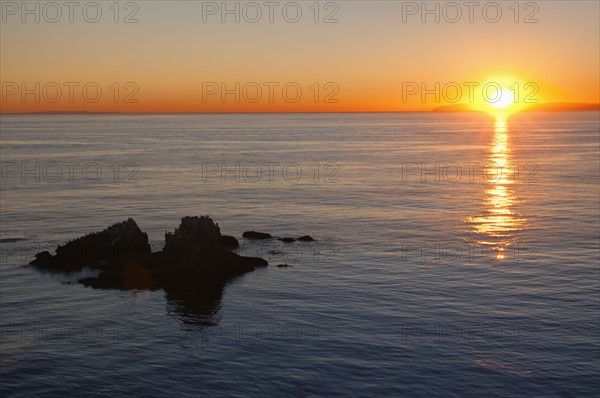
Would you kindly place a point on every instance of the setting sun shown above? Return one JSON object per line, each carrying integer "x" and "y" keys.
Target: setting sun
{"x": 503, "y": 99}
{"x": 506, "y": 93}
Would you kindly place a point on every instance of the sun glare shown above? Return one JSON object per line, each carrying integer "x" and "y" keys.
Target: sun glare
{"x": 504, "y": 95}
{"x": 503, "y": 100}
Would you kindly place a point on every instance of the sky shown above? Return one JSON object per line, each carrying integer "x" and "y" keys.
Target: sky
{"x": 283, "y": 56}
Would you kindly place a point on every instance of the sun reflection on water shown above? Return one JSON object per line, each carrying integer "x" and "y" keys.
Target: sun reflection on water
{"x": 497, "y": 226}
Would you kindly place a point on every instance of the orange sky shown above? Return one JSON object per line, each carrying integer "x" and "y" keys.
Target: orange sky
{"x": 178, "y": 56}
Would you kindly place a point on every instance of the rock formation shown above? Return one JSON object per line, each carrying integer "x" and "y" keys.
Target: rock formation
{"x": 192, "y": 257}
{"x": 91, "y": 250}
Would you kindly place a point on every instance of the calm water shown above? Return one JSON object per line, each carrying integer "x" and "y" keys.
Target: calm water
{"x": 426, "y": 279}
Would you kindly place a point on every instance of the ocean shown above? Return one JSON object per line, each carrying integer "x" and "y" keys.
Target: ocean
{"x": 456, "y": 255}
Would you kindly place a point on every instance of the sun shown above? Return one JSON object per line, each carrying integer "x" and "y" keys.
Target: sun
{"x": 503, "y": 99}
{"x": 503, "y": 95}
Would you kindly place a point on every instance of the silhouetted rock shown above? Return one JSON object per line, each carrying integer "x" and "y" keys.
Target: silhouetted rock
{"x": 43, "y": 259}
{"x": 306, "y": 238}
{"x": 287, "y": 240}
{"x": 283, "y": 265}
{"x": 92, "y": 249}
{"x": 256, "y": 235}
{"x": 195, "y": 237}
{"x": 229, "y": 242}
{"x": 192, "y": 253}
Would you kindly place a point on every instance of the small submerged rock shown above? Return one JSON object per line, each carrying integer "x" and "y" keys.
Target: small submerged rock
{"x": 262, "y": 235}
{"x": 12, "y": 240}
{"x": 256, "y": 235}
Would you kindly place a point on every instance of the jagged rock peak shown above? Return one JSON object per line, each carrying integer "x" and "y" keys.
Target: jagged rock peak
{"x": 197, "y": 236}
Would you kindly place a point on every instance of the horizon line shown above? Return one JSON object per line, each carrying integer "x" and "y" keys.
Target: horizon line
{"x": 270, "y": 113}
{"x": 451, "y": 108}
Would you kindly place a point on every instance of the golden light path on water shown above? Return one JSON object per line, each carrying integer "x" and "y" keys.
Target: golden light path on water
{"x": 496, "y": 228}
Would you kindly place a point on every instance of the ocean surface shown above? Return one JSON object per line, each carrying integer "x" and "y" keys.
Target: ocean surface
{"x": 456, "y": 255}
